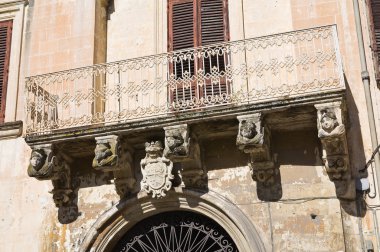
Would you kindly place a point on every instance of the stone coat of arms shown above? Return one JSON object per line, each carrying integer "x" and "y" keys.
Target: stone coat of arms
{"x": 156, "y": 171}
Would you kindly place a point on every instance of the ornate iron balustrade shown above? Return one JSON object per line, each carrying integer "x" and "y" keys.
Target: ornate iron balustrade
{"x": 275, "y": 67}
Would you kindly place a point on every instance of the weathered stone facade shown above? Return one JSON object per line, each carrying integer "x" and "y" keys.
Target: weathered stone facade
{"x": 88, "y": 153}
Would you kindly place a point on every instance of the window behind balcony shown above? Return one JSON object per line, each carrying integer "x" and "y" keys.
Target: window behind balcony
{"x": 5, "y": 46}
{"x": 195, "y": 23}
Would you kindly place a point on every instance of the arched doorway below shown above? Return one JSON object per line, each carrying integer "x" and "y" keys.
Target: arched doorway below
{"x": 176, "y": 231}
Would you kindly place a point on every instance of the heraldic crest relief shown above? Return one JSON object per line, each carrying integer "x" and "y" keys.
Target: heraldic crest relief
{"x": 156, "y": 170}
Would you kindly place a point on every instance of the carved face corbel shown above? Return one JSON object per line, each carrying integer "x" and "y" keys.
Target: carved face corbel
{"x": 46, "y": 164}
{"x": 42, "y": 164}
{"x": 330, "y": 121}
{"x": 177, "y": 142}
{"x": 114, "y": 154}
{"x": 250, "y": 131}
{"x": 106, "y": 153}
{"x": 331, "y": 131}
{"x": 252, "y": 140}
{"x": 156, "y": 170}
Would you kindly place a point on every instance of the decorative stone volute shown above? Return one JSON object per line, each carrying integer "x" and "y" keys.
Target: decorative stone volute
{"x": 331, "y": 131}
{"x": 156, "y": 170}
{"x": 177, "y": 142}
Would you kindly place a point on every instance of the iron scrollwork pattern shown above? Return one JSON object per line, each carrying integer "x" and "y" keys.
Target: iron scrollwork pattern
{"x": 292, "y": 64}
{"x": 176, "y": 231}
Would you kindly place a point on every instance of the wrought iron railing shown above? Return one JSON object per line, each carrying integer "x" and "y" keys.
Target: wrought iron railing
{"x": 275, "y": 67}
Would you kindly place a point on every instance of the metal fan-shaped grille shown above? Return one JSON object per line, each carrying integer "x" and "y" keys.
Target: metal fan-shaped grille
{"x": 176, "y": 232}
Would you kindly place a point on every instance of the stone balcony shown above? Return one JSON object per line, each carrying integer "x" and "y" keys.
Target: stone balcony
{"x": 240, "y": 89}
{"x": 181, "y": 86}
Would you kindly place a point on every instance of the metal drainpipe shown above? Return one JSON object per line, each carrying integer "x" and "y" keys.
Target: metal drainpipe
{"x": 368, "y": 98}
{"x": 367, "y": 91}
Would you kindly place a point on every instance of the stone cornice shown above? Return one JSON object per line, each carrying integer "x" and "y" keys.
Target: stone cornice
{"x": 154, "y": 123}
{"x": 10, "y": 130}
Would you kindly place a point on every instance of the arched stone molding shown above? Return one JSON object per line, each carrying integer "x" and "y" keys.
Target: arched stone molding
{"x": 113, "y": 224}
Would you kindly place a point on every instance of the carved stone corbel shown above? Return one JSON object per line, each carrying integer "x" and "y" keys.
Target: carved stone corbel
{"x": 331, "y": 132}
{"x": 177, "y": 143}
{"x": 193, "y": 173}
{"x": 250, "y": 135}
{"x": 114, "y": 154}
{"x": 253, "y": 139}
{"x": 156, "y": 170}
{"x": 106, "y": 153}
{"x": 179, "y": 149}
{"x": 47, "y": 164}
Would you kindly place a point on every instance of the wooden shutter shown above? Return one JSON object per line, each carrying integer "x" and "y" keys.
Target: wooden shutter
{"x": 5, "y": 48}
{"x": 214, "y": 29}
{"x": 181, "y": 24}
{"x": 375, "y": 6}
{"x": 194, "y": 23}
{"x": 213, "y": 21}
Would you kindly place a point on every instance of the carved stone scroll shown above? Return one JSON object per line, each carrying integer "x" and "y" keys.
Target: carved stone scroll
{"x": 156, "y": 170}
{"x": 177, "y": 143}
{"x": 47, "y": 164}
{"x": 114, "y": 154}
{"x": 253, "y": 139}
{"x": 331, "y": 131}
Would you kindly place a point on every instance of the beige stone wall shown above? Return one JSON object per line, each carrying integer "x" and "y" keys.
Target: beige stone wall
{"x": 136, "y": 28}
{"x": 60, "y": 34}
{"x": 26, "y": 205}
